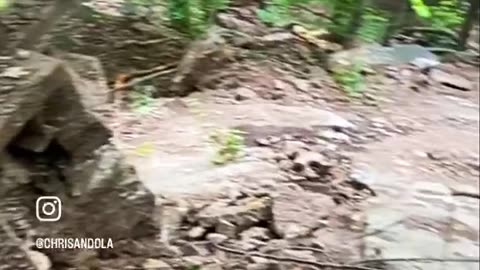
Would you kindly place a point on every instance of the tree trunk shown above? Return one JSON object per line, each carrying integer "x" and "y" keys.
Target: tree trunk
{"x": 468, "y": 24}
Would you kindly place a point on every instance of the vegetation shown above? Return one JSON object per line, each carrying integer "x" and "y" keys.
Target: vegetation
{"x": 350, "y": 77}
{"x": 229, "y": 144}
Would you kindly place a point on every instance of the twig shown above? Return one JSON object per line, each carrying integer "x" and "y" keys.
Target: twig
{"x": 144, "y": 78}
{"x": 319, "y": 265}
{"x": 422, "y": 260}
{"x": 144, "y": 72}
{"x": 144, "y": 42}
{"x": 465, "y": 194}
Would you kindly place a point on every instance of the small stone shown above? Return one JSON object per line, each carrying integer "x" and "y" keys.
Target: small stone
{"x": 40, "y": 260}
{"x": 262, "y": 142}
{"x": 293, "y": 148}
{"x": 424, "y": 63}
{"x": 191, "y": 249}
{"x": 23, "y": 54}
{"x": 302, "y": 85}
{"x": 274, "y": 139}
{"x": 279, "y": 84}
{"x": 196, "y": 232}
{"x": 285, "y": 165}
{"x": 257, "y": 233}
{"x": 155, "y": 264}
{"x": 259, "y": 266}
{"x": 14, "y": 73}
{"x": 335, "y": 136}
{"x": 244, "y": 93}
{"x": 226, "y": 228}
{"x": 216, "y": 238}
{"x": 299, "y": 254}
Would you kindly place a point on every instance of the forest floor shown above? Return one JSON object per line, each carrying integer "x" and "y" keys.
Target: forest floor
{"x": 316, "y": 153}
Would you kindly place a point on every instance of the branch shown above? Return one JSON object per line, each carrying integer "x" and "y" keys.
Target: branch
{"x": 319, "y": 265}
{"x": 465, "y": 194}
{"x": 421, "y": 260}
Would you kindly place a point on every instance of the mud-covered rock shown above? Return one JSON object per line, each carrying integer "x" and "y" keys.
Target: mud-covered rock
{"x": 233, "y": 219}
{"x": 54, "y": 144}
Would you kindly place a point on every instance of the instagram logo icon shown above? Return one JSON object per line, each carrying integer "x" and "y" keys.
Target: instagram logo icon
{"x": 48, "y": 208}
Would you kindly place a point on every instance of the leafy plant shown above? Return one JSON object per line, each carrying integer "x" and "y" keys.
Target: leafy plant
{"x": 421, "y": 9}
{"x": 230, "y": 144}
{"x": 350, "y": 77}
{"x": 374, "y": 26}
{"x": 4, "y": 4}
{"x": 193, "y": 16}
{"x": 276, "y": 13}
{"x": 141, "y": 98}
{"x": 446, "y": 15}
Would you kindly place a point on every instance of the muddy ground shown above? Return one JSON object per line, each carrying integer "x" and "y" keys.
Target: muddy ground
{"x": 326, "y": 177}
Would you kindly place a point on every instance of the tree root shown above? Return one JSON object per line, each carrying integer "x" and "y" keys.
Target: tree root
{"x": 319, "y": 265}
{"x": 457, "y": 193}
{"x": 421, "y": 260}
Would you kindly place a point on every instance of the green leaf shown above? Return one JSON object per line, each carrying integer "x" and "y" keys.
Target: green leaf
{"x": 422, "y": 11}
{"x": 4, "y": 4}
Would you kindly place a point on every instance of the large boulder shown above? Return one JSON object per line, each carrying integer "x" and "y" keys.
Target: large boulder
{"x": 53, "y": 143}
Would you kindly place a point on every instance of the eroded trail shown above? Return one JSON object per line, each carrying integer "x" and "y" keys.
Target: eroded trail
{"x": 411, "y": 149}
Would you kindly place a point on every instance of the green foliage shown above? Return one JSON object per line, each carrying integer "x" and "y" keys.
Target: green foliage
{"x": 277, "y": 13}
{"x": 4, "y": 4}
{"x": 350, "y": 77}
{"x": 446, "y": 15}
{"x": 193, "y": 16}
{"x": 229, "y": 143}
{"x": 280, "y": 13}
{"x": 374, "y": 26}
{"x": 141, "y": 98}
{"x": 342, "y": 17}
{"x": 422, "y": 10}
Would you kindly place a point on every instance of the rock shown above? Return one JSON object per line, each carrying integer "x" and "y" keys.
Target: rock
{"x": 231, "y": 22}
{"x": 334, "y": 136}
{"x": 424, "y": 63}
{"x": 226, "y": 228}
{"x": 196, "y": 232}
{"x": 21, "y": 104}
{"x": 451, "y": 80}
{"x": 312, "y": 161}
{"x": 257, "y": 233}
{"x": 191, "y": 249}
{"x": 155, "y": 264}
{"x": 216, "y": 238}
{"x": 40, "y": 260}
{"x": 262, "y": 142}
{"x": 302, "y": 85}
{"x": 299, "y": 254}
{"x": 293, "y": 148}
{"x": 244, "y": 93}
{"x": 245, "y": 214}
{"x": 70, "y": 158}
{"x": 259, "y": 266}
{"x": 190, "y": 262}
{"x": 297, "y": 213}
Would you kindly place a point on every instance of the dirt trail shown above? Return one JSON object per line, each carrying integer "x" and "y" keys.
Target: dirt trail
{"x": 411, "y": 172}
